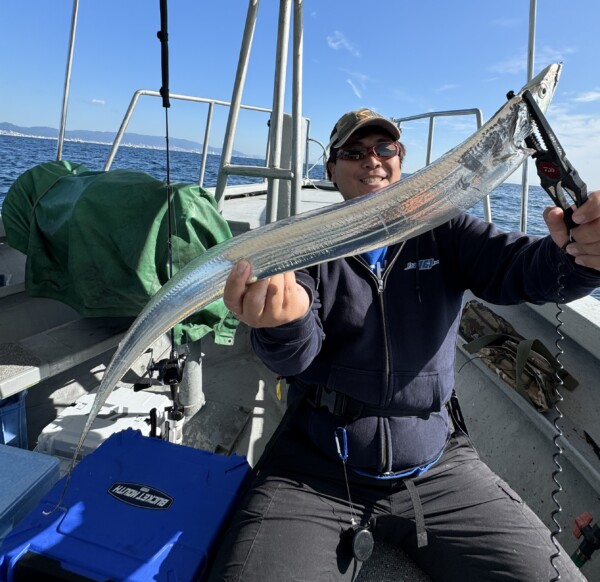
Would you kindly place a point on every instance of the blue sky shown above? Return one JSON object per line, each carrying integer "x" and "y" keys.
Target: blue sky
{"x": 398, "y": 57}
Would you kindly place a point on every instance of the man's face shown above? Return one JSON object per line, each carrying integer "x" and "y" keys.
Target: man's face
{"x": 356, "y": 178}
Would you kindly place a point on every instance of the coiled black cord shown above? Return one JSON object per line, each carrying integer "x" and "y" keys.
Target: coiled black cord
{"x": 558, "y": 415}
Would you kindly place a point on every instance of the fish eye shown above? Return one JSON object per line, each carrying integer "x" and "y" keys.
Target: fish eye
{"x": 542, "y": 91}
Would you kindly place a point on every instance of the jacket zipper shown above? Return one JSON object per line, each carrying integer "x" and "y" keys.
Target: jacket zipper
{"x": 380, "y": 280}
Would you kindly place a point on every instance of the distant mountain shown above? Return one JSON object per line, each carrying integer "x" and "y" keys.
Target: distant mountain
{"x": 107, "y": 137}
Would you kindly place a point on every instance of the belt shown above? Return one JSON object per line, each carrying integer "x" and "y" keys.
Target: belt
{"x": 350, "y": 408}
{"x": 345, "y": 406}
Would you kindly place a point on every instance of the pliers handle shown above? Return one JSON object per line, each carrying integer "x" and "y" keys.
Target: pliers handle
{"x": 556, "y": 173}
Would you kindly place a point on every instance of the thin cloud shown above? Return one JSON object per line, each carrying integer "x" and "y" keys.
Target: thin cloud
{"x": 354, "y": 88}
{"x": 337, "y": 41}
{"x": 98, "y": 102}
{"x": 403, "y": 96}
{"x": 573, "y": 128}
{"x": 510, "y": 66}
{"x": 588, "y": 96}
{"x": 547, "y": 55}
{"x": 579, "y": 134}
{"x": 457, "y": 125}
{"x": 357, "y": 81}
{"x": 447, "y": 87}
{"x": 517, "y": 64}
{"x": 359, "y": 78}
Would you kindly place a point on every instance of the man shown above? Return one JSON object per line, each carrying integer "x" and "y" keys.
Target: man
{"x": 367, "y": 345}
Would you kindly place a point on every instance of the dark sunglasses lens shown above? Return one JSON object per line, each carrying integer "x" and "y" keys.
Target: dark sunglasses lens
{"x": 386, "y": 150}
{"x": 382, "y": 150}
{"x": 352, "y": 154}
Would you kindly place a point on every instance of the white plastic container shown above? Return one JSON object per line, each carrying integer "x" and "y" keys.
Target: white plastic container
{"x": 123, "y": 409}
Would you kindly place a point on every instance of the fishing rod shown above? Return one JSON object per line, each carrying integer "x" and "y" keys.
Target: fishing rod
{"x": 169, "y": 370}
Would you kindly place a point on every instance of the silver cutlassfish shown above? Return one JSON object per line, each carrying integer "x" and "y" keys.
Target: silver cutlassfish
{"x": 419, "y": 203}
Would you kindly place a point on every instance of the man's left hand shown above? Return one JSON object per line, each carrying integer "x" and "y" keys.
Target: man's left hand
{"x": 585, "y": 247}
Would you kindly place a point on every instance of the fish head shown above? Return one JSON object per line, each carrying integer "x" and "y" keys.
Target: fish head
{"x": 543, "y": 85}
{"x": 541, "y": 88}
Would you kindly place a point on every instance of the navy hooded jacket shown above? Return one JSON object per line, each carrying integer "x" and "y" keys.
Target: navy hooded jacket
{"x": 390, "y": 341}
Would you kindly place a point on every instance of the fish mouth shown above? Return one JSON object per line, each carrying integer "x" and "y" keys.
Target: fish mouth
{"x": 543, "y": 85}
{"x": 541, "y": 88}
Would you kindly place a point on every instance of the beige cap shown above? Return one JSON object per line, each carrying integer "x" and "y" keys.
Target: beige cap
{"x": 349, "y": 122}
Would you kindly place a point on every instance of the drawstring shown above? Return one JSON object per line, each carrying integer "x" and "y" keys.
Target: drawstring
{"x": 342, "y": 450}
{"x": 419, "y": 516}
{"x": 318, "y": 278}
{"x": 417, "y": 281}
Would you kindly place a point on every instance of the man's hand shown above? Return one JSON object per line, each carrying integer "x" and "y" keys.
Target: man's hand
{"x": 266, "y": 303}
{"x": 586, "y": 236}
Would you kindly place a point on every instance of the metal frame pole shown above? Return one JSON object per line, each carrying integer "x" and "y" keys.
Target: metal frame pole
{"x": 297, "y": 108}
{"x": 275, "y": 133}
{"x": 209, "y": 116}
{"x": 240, "y": 79}
{"x": 63, "y": 117}
{"x": 530, "y": 65}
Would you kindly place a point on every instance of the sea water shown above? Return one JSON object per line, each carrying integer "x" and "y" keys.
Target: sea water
{"x": 18, "y": 154}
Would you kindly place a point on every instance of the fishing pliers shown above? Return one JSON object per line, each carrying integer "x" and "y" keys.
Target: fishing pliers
{"x": 556, "y": 173}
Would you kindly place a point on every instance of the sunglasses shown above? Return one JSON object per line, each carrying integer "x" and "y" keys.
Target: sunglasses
{"x": 381, "y": 150}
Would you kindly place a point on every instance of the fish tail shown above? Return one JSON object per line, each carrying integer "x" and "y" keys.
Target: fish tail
{"x": 189, "y": 291}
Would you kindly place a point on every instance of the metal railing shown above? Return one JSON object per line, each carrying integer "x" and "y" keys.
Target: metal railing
{"x": 67, "y": 84}
{"x": 432, "y": 116}
{"x": 273, "y": 171}
{"x": 211, "y": 104}
{"x": 323, "y": 158}
{"x": 250, "y": 171}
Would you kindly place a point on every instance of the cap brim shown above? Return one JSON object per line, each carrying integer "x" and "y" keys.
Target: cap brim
{"x": 379, "y": 122}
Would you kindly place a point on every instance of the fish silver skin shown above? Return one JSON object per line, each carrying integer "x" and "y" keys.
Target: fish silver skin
{"x": 424, "y": 200}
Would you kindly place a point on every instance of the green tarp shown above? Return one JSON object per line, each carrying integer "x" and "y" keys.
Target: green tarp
{"x": 98, "y": 240}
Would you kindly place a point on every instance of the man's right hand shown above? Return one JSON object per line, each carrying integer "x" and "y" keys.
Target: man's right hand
{"x": 269, "y": 302}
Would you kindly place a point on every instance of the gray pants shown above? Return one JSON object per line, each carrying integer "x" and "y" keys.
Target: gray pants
{"x": 291, "y": 524}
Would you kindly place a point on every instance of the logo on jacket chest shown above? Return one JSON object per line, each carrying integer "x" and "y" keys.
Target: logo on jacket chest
{"x": 423, "y": 264}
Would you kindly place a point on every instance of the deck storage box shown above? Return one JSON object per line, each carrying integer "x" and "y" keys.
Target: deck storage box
{"x": 25, "y": 477}
{"x": 136, "y": 509}
{"x": 13, "y": 421}
{"x": 124, "y": 408}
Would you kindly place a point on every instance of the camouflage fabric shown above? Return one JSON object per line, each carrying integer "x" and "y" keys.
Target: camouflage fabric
{"x": 525, "y": 364}
{"x": 353, "y": 120}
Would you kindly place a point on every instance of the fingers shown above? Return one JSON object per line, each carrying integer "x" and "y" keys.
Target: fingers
{"x": 589, "y": 211}
{"x": 585, "y": 255}
{"x": 294, "y": 301}
{"x": 554, "y": 218}
{"x": 585, "y": 238}
{"x": 257, "y": 306}
{"x": 585, "y": 248}
{"x": 266, "y": 303}
{"x": 235, "y": 287}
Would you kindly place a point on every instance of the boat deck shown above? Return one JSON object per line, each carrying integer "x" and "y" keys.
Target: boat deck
{"x": 242, "y": 410}
{"x": 517, "y": 441}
